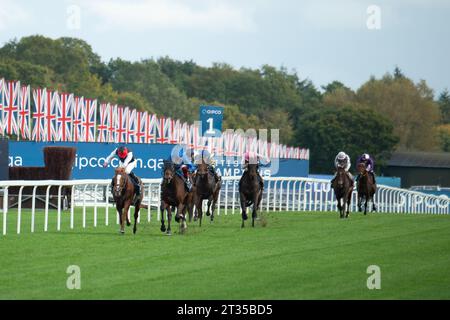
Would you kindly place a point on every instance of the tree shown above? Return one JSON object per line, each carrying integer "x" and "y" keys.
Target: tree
{"x": 330, "y": 130}
{"x": 409, "y": 106}
{"x": 444, "y": 106}
{"x": 444, "y": 136}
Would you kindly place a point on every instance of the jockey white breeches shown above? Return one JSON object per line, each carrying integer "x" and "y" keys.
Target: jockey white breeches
{"x": 128, "y": 168}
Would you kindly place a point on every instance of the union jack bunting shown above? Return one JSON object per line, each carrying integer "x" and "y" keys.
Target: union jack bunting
{"x": 122, "y": 122}
{"x": 131, "y": 126}
{"x": 64, "y": 117}
{"x": 112, "y": 125}
{"x": 162, "y": 132}
{"x": 24, "y": 113}
{"x": 11, "y": 102}
{"x": 141, "y": 126}
{"x": 2, "y": 82}
{"x": 39, "y": 97}
{"x": 103, "y": 125}
{"x": 152, "y": 128}
{"x": 51, "y": 102}
{"x": 89, "y": 117}
{"x": 77, "y": 119}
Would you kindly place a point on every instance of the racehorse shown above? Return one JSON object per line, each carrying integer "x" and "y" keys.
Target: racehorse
{"x": 366, "y": 188}
{"x": 173, "y": 195}
{"x": 343, "y": 188}
{"x": 250, "y": 191}
{"x": 206, "y": 187}
{"x": 124, "y": 196}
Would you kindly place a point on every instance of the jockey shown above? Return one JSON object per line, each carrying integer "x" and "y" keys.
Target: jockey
{"x": 126, "y": 161}
{"x": 342, "y": 160}
{"x": 369, "y": 163}
{"x": 185, "y": 166}
{"x": 207, "y": 158}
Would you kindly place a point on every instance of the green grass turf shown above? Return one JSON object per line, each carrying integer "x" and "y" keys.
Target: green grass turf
{"x": 295, "y": 256}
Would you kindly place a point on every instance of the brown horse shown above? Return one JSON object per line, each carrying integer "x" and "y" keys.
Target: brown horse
{"x": 366, "y": 188}
{"x": 173, "y": 195}
{"x": 251, "y": 189}
{"x": 206, "y": 187}
{"x": 343, "y": 188}
{"x": 124, "y": 196}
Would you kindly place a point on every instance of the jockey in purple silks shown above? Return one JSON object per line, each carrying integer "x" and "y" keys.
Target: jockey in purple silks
{"x": 369, "y": 163}
{"x": 342, "y": 160}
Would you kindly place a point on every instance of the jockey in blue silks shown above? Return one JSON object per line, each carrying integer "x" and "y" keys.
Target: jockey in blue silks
{"x": 369, "y": 163}
{"x": 184, "y": 166}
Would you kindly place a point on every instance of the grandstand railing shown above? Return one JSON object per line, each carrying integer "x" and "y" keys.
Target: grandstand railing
{"x": 280, "y": 194}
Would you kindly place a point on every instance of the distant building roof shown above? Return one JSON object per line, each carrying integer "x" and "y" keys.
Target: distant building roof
{"x": 420, "y": 159}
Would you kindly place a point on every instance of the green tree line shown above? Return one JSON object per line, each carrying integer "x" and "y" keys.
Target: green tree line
{"x": 383, "y": 115}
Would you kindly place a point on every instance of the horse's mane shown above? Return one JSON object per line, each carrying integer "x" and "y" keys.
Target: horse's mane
{"x": 120, "y": 170}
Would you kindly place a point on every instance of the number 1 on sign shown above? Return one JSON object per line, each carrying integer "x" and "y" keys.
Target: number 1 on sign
{"x": 211, "y": 126}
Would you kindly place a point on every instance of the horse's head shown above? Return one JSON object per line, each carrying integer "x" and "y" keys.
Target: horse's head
{"x": 120, "y": 182}
{"x": 202, "y": 170}
{"x": 361, "y": 167}
{"x": 340, "y": 178}
{"x": 168, "y": 173}
{"x": 252, "y": 169}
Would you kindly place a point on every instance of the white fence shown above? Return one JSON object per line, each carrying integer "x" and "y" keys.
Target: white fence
{"x": 280, "y": 194}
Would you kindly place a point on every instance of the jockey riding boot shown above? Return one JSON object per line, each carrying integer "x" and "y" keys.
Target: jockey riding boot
{"x": 373, "y": 177}
{"x": 135, "y": 180}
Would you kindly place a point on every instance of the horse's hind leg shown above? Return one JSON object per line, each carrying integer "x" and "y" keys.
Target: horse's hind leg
{"x": 374, "y": 207}
{"x": 244, "y": 209}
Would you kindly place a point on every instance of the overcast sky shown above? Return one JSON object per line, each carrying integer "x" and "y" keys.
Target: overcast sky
{"x": 347, "y": 40}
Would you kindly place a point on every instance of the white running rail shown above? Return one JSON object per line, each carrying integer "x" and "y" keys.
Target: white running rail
{"x": 280, "y": 194}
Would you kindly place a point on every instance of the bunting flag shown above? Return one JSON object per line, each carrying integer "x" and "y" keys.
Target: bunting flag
{"x": 131, "y": 126}
{"x": 141, "y": 125}
{"x": 121, "y": 128}
{"x": 2, "y": 87}
{"x": 77, "y": 118}
{"x": 111, "y": 137}
{"x": 89, "y": 117}
{"x": 103, "y": 126}
{"x": 152, "y": 128}
{"x": 161, "y": 137}
{"x": 25, "y": 113}
{"x": 11, "y": 102}
{"x": 39, "y": 97}
{"x": 64, "y": 114}
{"x": 51, "y": 102}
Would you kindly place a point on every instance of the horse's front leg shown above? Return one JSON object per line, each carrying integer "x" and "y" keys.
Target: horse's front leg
{"x": 243, "y": 208}
{"x": 126, "y": 207}
{"x": 359, "y": 202}
{"x": 136, "y": 216}
{"x": 162, "y": 208}
{"x": 119, "y": 209}
{"x": 169, "y": 220}
{"x": 339, "y": 205}
{"x": 349, "y": 200}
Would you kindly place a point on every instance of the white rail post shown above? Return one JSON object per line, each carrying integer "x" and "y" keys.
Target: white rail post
{"x": 72, "y": 205}
{"x": 19, "y": 210}
{"x": 226, "y": 197}
{"x": 33, "y": 207}
{"x": 268, "y": 195}
{"x": 149, "y": 202}
{"x": 47, "y": 200}
{"x": 234, "y": 196}
{"x": 106, "y": 206}
{"x": 280, "y": 207}
{"x": 274, "y": 206}
{"x": 84, "y": 205}
{"x": 95, "y": 205}
{"x": 58, "y": 222}
{"x": 5, "y": 208}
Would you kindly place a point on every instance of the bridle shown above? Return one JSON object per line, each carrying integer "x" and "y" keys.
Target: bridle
{"x": 120, "y": 183}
